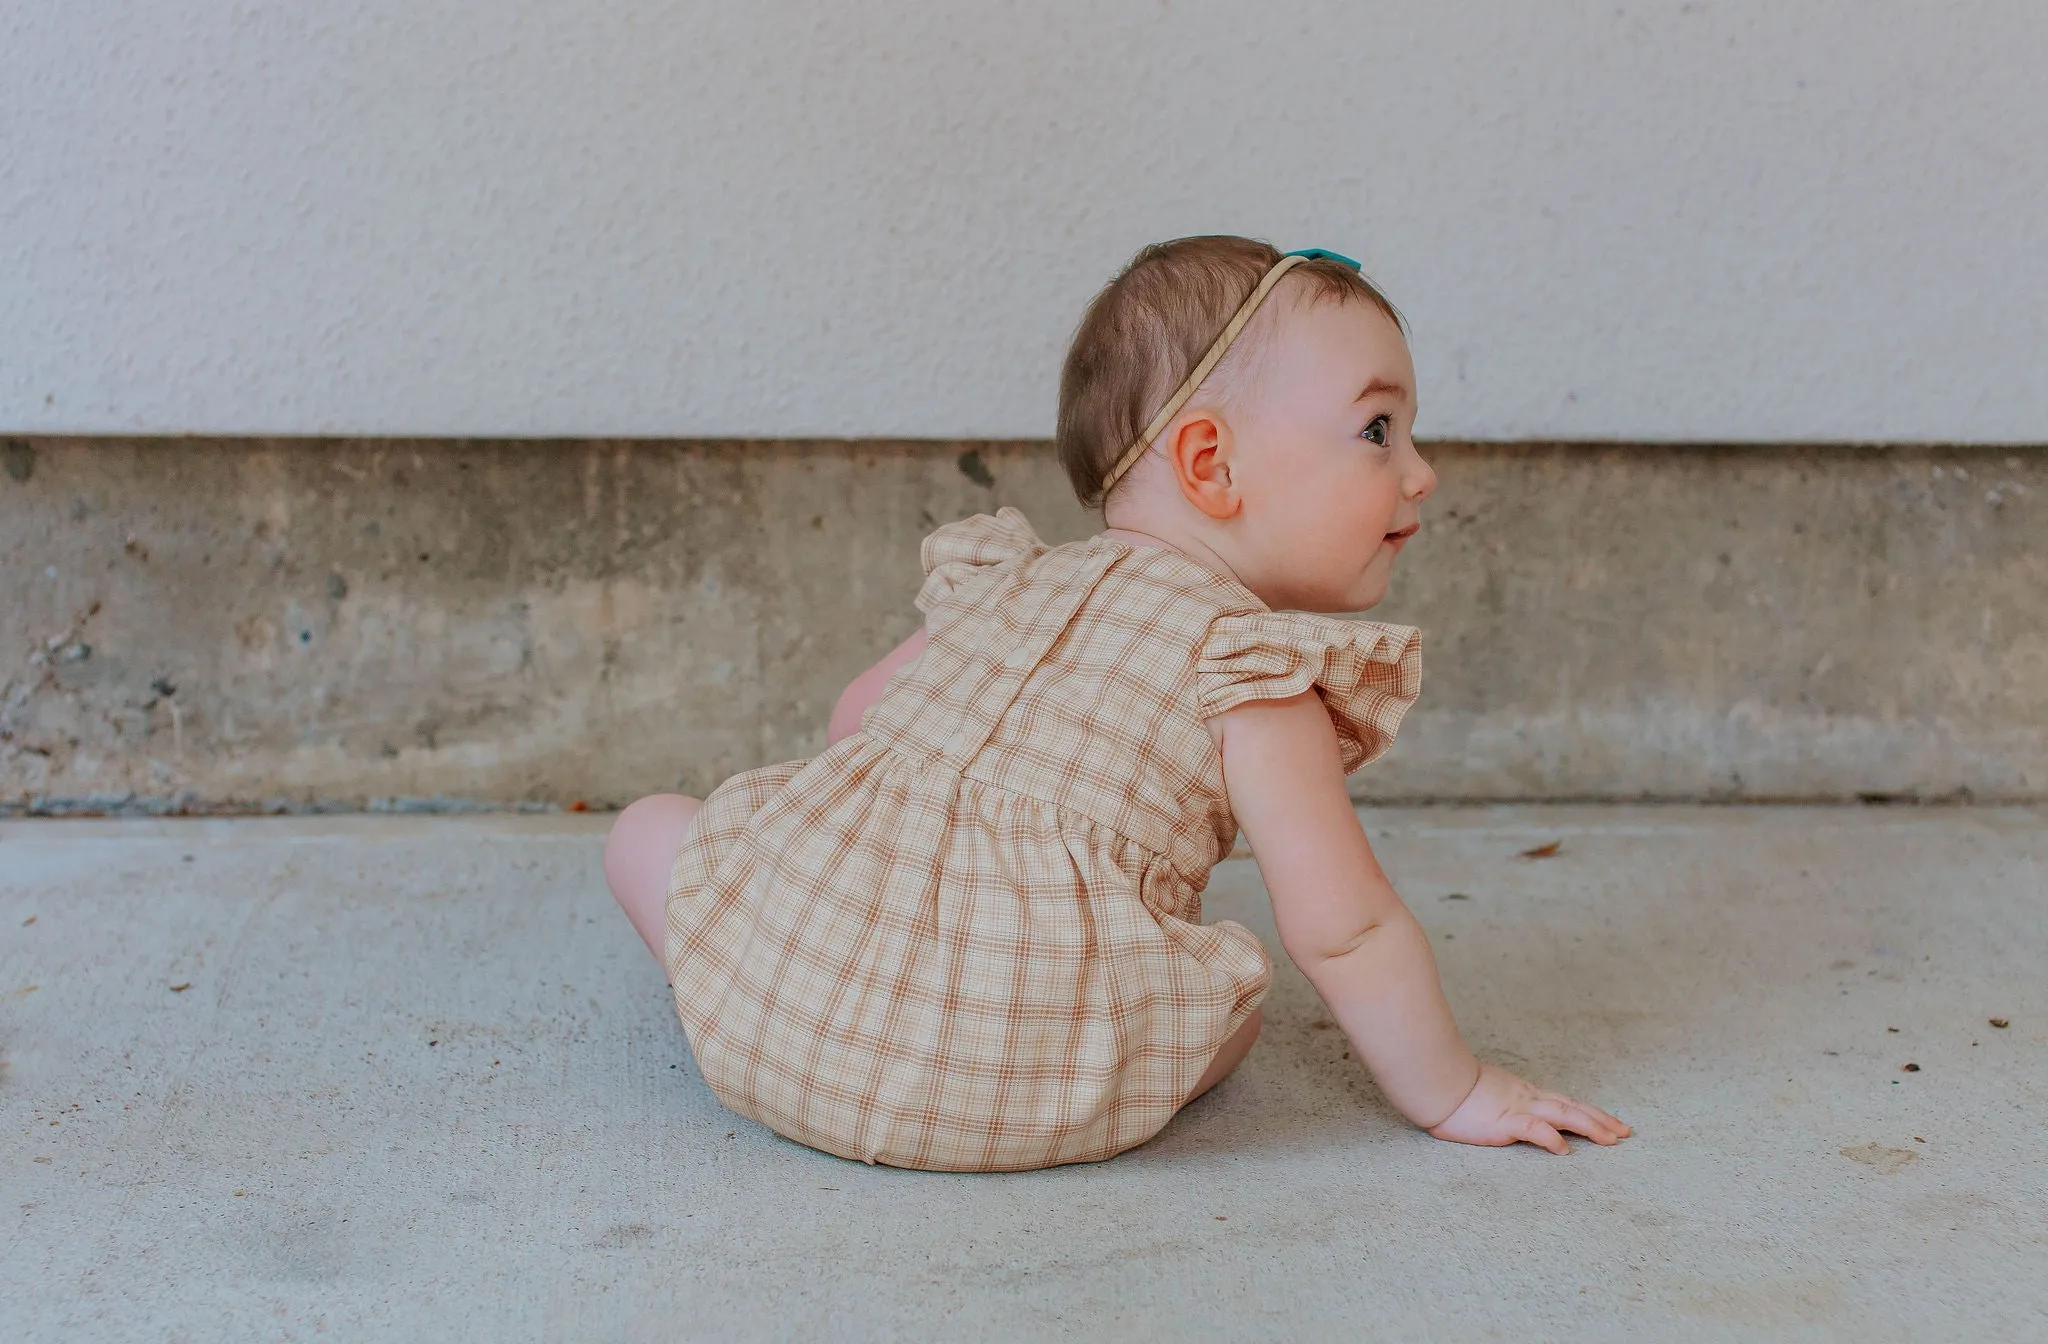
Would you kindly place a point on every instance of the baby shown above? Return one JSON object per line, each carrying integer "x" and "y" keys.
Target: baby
{"x": 968, "y": 936}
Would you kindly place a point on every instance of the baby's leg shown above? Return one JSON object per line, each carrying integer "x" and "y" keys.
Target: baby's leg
{"x": 1230, "y": 1055}
{"x": 638, "y": 855}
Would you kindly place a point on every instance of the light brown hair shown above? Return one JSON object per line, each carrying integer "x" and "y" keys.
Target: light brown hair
{"x": 1153, "y": 323}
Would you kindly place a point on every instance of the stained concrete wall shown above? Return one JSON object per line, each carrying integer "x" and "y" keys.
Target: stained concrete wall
{"x": 299, "y": 624}
{"x": 1660, "y": 220}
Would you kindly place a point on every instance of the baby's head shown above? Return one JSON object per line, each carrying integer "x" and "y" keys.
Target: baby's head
{"x": 1293, "y": 462}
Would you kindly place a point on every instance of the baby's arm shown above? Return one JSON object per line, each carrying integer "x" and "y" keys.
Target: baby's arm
{"x": 867, "y": 688}
{"x": 1366, "y": 955}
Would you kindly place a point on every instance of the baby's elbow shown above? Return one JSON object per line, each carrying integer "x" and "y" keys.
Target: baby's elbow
{"x": 1311, "y": 948}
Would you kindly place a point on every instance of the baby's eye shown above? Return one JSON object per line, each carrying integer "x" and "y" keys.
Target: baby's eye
{"x": 1377, "y": 431}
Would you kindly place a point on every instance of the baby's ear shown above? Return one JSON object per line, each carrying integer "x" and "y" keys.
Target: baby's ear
{"x": 1200, "y": 447}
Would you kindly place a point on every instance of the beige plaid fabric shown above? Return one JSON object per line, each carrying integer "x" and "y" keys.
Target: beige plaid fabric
{"x": 968, "y": 937}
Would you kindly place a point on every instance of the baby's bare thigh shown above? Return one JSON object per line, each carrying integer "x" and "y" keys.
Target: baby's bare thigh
{"x": 638, "y": 856}
{"x": 1230, "y": 1054}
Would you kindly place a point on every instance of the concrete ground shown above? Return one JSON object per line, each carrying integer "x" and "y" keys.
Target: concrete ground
{"x": 415, "y": 1078}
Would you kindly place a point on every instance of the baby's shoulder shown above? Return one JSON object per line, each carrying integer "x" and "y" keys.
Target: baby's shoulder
{"x": 959, "y": 558}
{"x": 1368, "y": 673}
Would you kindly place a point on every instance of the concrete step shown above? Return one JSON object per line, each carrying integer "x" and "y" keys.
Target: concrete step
{"x": 416, "y": 1078}
{"x": 301, "y": 625}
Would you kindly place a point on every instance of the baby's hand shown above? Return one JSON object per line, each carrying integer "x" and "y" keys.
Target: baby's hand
{"x": 1502, "y": 1109}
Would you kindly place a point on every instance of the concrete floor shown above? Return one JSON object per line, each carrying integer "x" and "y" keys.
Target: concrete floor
{"x": 410, "y": 1078}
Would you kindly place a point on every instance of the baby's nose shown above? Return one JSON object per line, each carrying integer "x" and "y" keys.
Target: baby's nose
{"x": 1422, "y": 481}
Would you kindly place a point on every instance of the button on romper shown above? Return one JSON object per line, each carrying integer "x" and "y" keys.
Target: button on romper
{"x": 968, "y": 936}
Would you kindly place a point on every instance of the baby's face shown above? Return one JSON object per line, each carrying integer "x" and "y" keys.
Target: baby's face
{"x": 1325, "y": 460}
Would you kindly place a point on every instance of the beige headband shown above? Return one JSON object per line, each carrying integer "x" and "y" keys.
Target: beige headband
{"x": 1203, "y": 369}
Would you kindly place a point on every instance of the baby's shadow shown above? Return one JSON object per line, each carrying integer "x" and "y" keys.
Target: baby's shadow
{"x": 1300, "y": 1090}
{"x": 1582, "y": 997}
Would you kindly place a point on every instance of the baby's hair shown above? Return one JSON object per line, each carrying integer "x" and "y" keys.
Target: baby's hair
{"x": 1153, "y": 323}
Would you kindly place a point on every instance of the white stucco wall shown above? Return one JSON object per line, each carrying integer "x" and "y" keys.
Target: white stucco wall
{"x": 1743, "y": 219}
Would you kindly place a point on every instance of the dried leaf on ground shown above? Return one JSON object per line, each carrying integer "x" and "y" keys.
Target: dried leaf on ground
{"x": 1549, "y": 851}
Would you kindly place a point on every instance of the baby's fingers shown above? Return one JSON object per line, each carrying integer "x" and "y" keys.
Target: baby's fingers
{"x": 1618, "y": 1126}
{"x": 1590, "y": 1109}
{"x": 1579, "y": 1118}
{"x": 1528, "y": 1128}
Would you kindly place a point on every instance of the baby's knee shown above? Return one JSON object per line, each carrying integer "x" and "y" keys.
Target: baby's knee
{"x": 638, "y": 855}
{"x": 646, "y": 835}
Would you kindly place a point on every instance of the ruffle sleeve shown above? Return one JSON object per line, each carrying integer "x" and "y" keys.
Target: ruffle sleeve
{"x": 1368, "y": 673}
{"x": 956, "y": 552}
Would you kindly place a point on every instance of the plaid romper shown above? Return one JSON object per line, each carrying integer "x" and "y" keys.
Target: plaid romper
{"x": 968, "y": 936}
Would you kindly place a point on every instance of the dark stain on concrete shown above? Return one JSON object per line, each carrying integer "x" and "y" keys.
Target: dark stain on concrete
{"x": 19, "y": 455}
{"x": 974, "y": 469}
{"x": 624, "y": 1235}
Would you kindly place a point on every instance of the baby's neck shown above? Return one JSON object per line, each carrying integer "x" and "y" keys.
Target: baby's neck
{"x": 1164, "y": 535}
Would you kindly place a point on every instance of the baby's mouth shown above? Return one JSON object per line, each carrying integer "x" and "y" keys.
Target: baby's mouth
{"x": 1398, "y": 539}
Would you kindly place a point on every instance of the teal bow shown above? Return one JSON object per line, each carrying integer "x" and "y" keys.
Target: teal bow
{"x": 1324, "y": 254}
